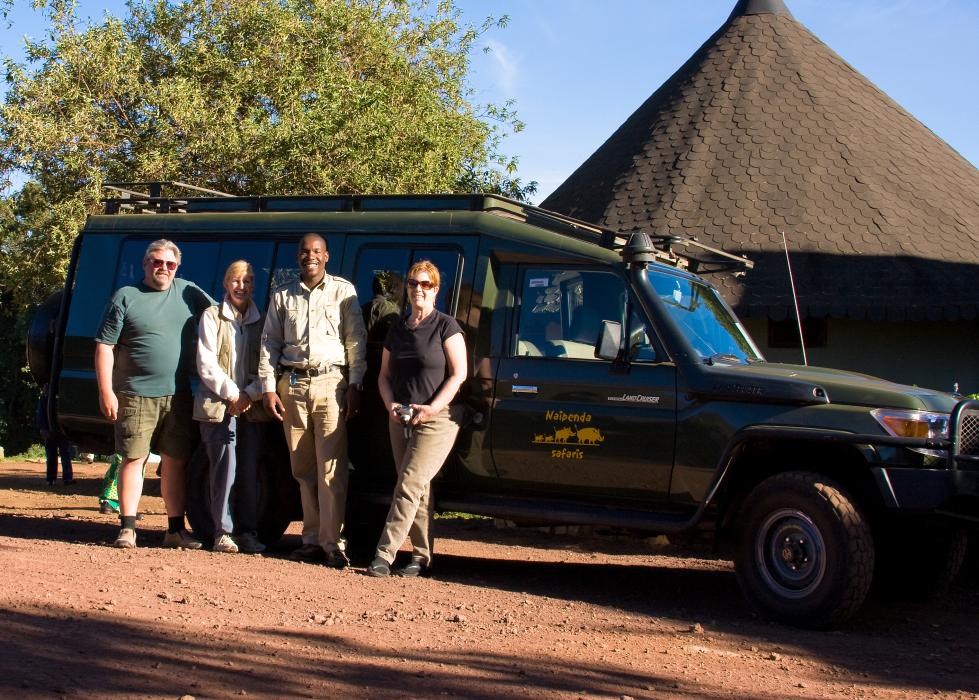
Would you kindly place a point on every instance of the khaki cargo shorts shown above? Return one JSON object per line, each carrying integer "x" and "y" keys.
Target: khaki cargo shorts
{"x": 163, "y": 424}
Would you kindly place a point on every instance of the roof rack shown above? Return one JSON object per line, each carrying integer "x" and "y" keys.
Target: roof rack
{"x": 696, "y": 257}
{"x": 152, "y": 201}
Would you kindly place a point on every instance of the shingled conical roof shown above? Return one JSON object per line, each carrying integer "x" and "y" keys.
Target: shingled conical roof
{"x": 765, "y": 129}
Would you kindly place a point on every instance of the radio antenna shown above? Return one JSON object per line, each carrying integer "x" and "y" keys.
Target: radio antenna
{"x": 795, "y": 301}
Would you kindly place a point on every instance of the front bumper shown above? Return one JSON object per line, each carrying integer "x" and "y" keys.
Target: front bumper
{"x": 951, "y": 492}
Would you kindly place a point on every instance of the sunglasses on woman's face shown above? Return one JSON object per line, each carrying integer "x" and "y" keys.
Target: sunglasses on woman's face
{"x": 424, "y": 284}
{"x": 157, "y": 264}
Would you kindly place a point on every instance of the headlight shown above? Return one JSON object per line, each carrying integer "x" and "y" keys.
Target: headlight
{"x": 914, "y": 424}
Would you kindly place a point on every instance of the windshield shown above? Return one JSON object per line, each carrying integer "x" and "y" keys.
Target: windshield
{"x": 705, "y": 320}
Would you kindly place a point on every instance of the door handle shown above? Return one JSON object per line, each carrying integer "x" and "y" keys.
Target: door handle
{"x": 523, "y": 389}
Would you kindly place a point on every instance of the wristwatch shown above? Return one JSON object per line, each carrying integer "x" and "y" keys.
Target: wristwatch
{"x": 359, "y": 386}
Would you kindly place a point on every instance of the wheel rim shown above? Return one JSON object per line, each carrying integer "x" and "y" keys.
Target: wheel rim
{"x": 791, "y": 554}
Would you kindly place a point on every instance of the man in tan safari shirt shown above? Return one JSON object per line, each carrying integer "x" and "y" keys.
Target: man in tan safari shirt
{"x": 311, "y": 367}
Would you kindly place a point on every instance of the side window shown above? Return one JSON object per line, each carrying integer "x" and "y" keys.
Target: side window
{"x": 286, "y": 267}
{"x": 641, "y": 347}
{"x": 379, "y": 280}
{"x": 258, "y": 253}
{"x": 561, "y": 311}
{"x": 130, "y": 263}
{"x": 447, "y": 262}
{"x": 380, "y": 273}
{"x": 198, "y": 263}
{"x": 197, "y": 260}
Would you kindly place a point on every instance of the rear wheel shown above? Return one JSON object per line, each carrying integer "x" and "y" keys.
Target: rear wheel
{"x": 278, "y": 492}
{"x": 805, "y": 554}
{"x": 199, "y": 496}
{"x": 364, "y": 524}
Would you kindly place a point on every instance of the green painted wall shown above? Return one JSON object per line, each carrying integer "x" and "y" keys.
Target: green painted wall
{"x": 926, "y": 353}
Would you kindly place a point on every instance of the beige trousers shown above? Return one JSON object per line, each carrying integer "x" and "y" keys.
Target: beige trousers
{"x": 418, "y": 460}
{"x": 316, "y": 432}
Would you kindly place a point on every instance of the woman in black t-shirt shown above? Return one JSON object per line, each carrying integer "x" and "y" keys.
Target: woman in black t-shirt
{"x": 422, "y": 368}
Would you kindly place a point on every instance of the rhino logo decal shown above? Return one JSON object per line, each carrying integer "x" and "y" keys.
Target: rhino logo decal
{"x": 590, "y": 436}
{"x": 563, "y": 434}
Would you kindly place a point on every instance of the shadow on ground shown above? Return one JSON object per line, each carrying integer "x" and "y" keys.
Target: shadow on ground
{"x": 927, "y": 646}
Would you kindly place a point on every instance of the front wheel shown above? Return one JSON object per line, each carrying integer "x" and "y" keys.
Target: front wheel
{"x": 805, "y": 554}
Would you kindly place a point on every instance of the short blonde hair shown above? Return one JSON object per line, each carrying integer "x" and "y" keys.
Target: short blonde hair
{"x": 238, "y": 267}
{"x": 426, "y": 266}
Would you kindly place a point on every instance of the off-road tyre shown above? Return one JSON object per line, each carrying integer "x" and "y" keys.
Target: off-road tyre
{"x": 919, "y": 560}
{"x": 362, "y": 529}
{"x": 805, "y": 553}
{"x": 278, "y": 492}
{"x": 199, "y": 496}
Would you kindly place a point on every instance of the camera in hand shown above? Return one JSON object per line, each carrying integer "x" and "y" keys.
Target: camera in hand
{"x": 405, "y": 414}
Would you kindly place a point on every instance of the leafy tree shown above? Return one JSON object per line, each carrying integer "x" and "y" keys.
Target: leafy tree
{"x": 243, "y": 96}
{"x": 251, "y": 96}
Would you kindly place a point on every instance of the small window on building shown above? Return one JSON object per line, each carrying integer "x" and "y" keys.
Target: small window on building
{"x": 785, "y": 334}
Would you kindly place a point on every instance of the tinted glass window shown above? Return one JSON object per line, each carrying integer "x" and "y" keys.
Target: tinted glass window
{"x": 561, "y": 311}
{"x": 641, "y": 347}
{"x": 203, "y": 263}
{"x": 131, "y": 263}
{"x": 286, "y": 268}
{"x": 707, "y": 323}
{"x": 447, "y": 262}
{"x": 258, "y": 253}
{"x": 197, "y": 263}
{"x": 379, "y": 280}
{"x": 390, "y": 264}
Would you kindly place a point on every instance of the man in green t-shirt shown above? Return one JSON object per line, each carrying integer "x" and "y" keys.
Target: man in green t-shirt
{"x": 144, "y": 353}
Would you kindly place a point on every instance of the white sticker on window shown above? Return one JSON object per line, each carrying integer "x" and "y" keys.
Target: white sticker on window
{"x": 538, "y": 282}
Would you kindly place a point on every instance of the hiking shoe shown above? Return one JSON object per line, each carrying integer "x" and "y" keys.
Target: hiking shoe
{"x": 308, "y": 553}
{"x": 126, "y": 538}
{"x": 416, "y": 567}
{"x": 337, "y": 560}
{"x": 180, "y": 540}
{"x": 379, "y": 568}
{"x": 226, "y": 545}
{"x": 107, "y": 508}
{"x": 249, "y": 543}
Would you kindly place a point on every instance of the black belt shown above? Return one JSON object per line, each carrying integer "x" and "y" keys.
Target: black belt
{"x": 308, "y": 371}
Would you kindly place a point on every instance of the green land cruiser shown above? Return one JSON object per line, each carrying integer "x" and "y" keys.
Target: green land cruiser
{"x": 609, "y": 386}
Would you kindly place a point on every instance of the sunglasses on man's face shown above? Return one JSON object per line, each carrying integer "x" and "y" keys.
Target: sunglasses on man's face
{"x": 157, "y": 264}
{"x": 424, "y": 284}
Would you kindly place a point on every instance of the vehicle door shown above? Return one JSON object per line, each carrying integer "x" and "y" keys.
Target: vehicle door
{"x": 567, "y": 422}
{"x": 378, "y": 272}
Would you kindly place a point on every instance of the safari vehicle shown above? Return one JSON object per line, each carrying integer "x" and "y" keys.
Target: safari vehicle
{"x": 610, "y": 385}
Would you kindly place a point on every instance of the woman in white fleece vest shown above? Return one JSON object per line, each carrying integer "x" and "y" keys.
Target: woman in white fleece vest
{"x": 229, "y": 407}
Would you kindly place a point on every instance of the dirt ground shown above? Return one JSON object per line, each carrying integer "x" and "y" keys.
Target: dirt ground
{"x": 509, "y": 612}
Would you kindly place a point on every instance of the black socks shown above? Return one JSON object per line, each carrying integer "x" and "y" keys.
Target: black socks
{"x": 128, "y": 521}
{"x": 175, "y": 524}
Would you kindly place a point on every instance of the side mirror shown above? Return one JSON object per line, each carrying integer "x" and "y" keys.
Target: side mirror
{"x": 609, "y": 341}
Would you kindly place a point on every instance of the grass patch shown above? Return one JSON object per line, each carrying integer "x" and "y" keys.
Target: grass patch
{"x": 35, "y": 451}
{"x": 453, "y": 515}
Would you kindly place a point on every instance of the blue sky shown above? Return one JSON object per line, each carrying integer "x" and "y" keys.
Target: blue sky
{"x": 578, "y": 68}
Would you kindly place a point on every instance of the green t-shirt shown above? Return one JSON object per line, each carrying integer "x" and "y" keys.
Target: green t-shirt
{"x": 155, "y": 334}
